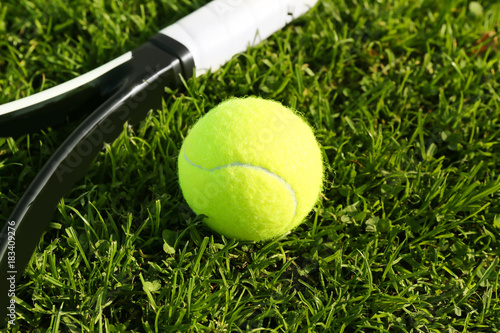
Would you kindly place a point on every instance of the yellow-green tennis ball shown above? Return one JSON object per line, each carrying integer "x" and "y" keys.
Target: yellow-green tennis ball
{"x": 253, "y": 167}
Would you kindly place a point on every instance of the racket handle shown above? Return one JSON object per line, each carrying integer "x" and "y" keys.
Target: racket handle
{"x": 223, "y": 28}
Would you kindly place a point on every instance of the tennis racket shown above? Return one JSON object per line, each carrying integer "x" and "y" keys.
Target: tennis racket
{"x": 123, "y": 90}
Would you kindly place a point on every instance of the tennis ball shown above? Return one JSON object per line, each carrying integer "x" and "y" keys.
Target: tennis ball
{"x": 253, "y": 167}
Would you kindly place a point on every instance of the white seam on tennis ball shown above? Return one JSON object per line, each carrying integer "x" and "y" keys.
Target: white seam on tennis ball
{"x": 255, "y": 167}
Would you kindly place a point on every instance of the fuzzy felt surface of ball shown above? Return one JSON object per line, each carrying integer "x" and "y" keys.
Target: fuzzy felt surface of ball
{"x": 253, "y": 167}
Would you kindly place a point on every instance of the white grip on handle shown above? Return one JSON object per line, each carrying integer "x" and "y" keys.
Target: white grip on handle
{"x": 223, "y": 28}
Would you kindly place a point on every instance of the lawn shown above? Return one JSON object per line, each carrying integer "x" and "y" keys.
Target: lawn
{"x": 404, "y": 99}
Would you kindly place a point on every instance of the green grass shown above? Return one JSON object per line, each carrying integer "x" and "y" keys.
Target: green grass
{"x": 406, "y": 106}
